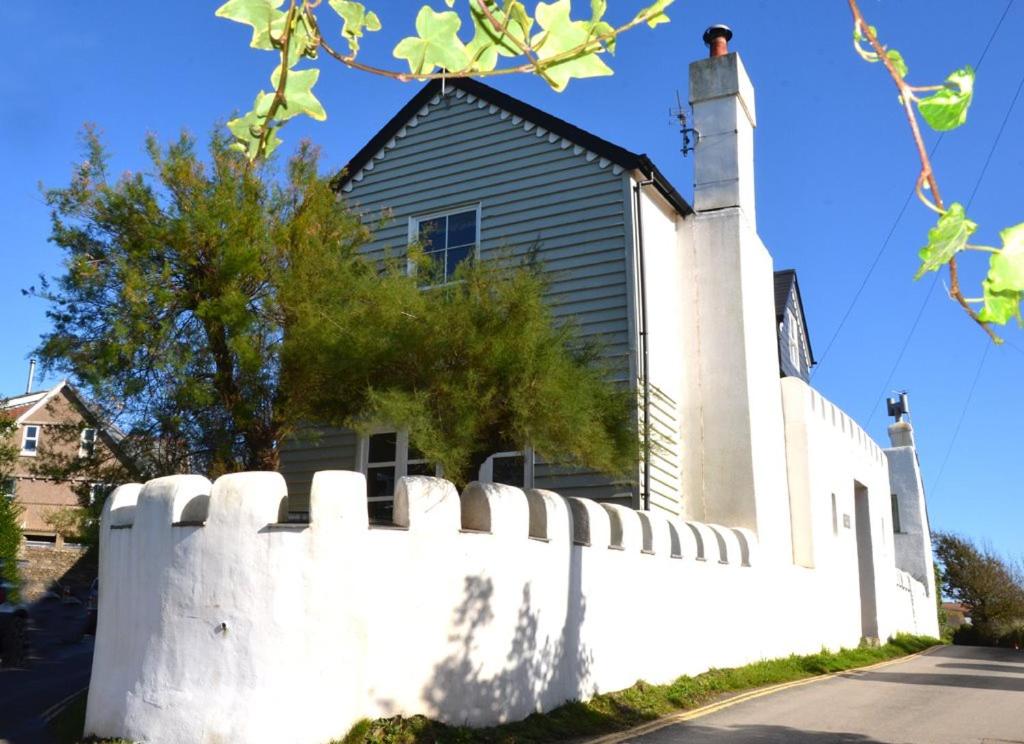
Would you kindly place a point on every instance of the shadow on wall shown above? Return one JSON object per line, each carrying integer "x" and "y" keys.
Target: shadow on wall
{"x": 752, "y": 734}
{"x": 546, "y": 663}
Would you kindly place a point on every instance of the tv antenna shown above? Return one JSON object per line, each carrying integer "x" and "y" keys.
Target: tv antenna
{"x": 691, "y": 137}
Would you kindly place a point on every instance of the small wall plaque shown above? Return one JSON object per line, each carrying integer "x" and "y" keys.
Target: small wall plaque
{"x": 846, "y": 521}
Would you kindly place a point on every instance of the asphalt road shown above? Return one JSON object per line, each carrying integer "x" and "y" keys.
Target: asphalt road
{"x": 953, "y": 694}
{"x": 60, "y": 661}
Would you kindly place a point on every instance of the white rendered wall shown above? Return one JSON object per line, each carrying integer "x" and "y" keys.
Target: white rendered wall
{"x": 217, "y": 624}
{"x": 828, "y": 455}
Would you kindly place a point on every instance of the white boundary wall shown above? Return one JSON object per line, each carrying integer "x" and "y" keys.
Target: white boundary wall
{"x": 218, "y": 624}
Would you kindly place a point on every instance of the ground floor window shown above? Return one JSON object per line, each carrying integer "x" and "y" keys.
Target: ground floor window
{"x": 386, "y": 456}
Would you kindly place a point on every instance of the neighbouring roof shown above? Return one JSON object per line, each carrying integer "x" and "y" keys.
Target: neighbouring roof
{"x": 20, "y": 407}
{"x": 785, "y": 283}
{"x": 618, "y": 155}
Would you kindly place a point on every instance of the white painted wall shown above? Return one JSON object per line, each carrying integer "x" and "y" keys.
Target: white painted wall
{"x": 230, "y": 627}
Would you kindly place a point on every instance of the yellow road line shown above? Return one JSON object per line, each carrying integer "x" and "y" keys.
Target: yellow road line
{"x": 743, "y": 697}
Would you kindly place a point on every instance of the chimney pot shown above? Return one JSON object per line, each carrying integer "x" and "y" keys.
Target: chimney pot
{"x": 717, "y": 38}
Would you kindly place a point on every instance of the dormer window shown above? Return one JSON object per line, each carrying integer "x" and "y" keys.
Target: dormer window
{"x": 30, "y": 440}
{"x": 448, "y": 239}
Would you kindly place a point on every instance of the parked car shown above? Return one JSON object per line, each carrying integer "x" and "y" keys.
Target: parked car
{"x": 13, "y": 624}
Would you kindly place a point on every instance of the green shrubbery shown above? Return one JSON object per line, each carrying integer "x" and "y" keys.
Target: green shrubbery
{"x": 641, "y": 703}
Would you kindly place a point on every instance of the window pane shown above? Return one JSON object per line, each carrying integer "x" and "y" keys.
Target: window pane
{"x": 381, "y": 512}
{"x": 414, "y": 454}
{"x": 432, "y": 234}
{"x": 462, "y": 228}
{"x": 420, "y": 468}
{"x": 380, "y": 481}
{"x": 382, "y": 447}
{"x": 455, "y": 257}
{"x": 509, "y": 470}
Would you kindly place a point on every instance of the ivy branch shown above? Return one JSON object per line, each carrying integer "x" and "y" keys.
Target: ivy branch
{"x": 564, "y": 48}
{"x": 946, "y": 109}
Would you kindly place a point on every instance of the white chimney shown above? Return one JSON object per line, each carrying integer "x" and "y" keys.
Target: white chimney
{"x": 739, "y": 470}
{"x": 722, "y": 97}
{"x": 31, "y": 374}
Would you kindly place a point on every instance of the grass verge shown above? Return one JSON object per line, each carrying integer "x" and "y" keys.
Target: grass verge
{"x": 639, "y": 704}
{"x": 603, "y": 714}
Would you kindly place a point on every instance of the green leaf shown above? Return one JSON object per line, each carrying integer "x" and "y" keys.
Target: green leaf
{"x": 247, "y": 131}
{"x": 655, "y": 12}
{"x": 946, "y": 239}
{"x": 947, "y": 109}
{"x": 357, "y": 19}
{"x": 1006, "y": 268}
{"x": 562, "y": 34}
{"x": 486, "y": 46}
{"x": 298, "y": 96}
{"x": 437, "y": 45}
{"x": 897, "y": 61}
{"x": 1000, "y": 306}
{"x": 260, "y": 14}
{"x": 858, "y": 36}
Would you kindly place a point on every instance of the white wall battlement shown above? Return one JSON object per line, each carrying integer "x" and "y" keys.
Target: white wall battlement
{"x": 219, "y": 623}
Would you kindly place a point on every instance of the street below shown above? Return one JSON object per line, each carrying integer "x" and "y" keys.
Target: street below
{"x": 60, "y": 661}
{"x": 949, "y": 695}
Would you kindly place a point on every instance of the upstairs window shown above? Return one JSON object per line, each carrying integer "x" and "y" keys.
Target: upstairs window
{"x": 30, "y": 440}
{"x": 794, "y": 339}
{"x": 87, "y": 443}
{"x": 8, "y": 488}
{"x": 448, "y": 239}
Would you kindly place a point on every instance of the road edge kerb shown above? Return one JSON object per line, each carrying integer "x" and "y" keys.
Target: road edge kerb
{"x": 705, "y": 710}
{"x": 57, "y": 708}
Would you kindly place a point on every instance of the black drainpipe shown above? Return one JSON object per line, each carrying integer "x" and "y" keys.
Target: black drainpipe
{"x": 644, "y": 356}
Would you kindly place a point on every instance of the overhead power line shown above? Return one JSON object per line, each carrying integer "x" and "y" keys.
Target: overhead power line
{"x": 903, "y": 209}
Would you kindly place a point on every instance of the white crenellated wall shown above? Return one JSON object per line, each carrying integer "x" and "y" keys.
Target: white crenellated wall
{"x": 217, "y": 623}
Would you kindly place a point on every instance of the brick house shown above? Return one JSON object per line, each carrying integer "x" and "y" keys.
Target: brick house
{"x": 56, "y": 423}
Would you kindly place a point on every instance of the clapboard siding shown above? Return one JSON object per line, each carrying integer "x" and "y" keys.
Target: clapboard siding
{"x": 312, "y": 450}
{"x": 538, "y": 194}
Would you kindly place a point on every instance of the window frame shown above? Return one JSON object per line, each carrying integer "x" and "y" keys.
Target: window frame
{"x": 83, "y": 451}
{"x": 400, "y": 463}
{"x": 35, "y": 439}
{"x": 486, "y": 473}
{"x": 414, "y": 231}
{"x": 9, "y": 487}
{"x": 793, "y": 339}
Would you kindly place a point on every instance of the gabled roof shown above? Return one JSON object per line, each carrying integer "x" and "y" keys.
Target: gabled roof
{"x": 785, "y": 283}
{"x": 23, "y": 406}
{"x": 620, "y": 156}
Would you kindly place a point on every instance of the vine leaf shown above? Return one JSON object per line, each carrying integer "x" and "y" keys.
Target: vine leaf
{"x": 947, "y": 108}
{"x": 1006, "y": 269}
{"x": 656, "y": 13}
{"x": 562, "y": 34}
{"x": 247, "y": 130}
{"x": 357, "y": 20}
{"x": 946, "y": 239}
{"x": 898, "y": 62}
{"x": 437, "y": 45}
{"x": 260, "y": 14}
{"x": 298, "y": 96}
{"x": 486, "y": 45}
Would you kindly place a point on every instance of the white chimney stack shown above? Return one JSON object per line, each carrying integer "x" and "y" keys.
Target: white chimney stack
{"x": 722, "y": 98}
{"x": 739, "y": 470}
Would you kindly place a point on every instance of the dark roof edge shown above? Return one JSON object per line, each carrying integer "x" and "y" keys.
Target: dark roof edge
{"x": 803, "y": 314}
{"x": 618, "y": 155}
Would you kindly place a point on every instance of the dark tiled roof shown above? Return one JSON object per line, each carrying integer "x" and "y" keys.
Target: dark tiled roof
{"x": 618, "y": 155}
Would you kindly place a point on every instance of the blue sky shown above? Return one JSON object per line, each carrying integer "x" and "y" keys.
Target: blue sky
{"x": 834, "y": 167}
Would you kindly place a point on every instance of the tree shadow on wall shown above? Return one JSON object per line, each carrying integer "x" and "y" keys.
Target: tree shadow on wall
{"x": 541, "y": 667}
